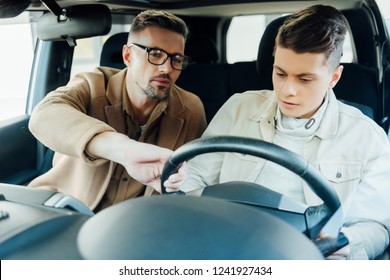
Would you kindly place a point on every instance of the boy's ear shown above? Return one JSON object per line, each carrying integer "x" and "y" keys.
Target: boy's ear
{"x": 336, "y": 76}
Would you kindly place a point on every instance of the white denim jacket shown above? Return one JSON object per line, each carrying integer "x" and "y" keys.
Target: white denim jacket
{"x": 349, "y": 149}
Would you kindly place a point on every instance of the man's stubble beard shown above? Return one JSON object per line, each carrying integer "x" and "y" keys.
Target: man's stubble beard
{"x": 152, "y": 93}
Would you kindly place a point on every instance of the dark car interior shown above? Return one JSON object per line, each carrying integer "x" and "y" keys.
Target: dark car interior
{"x": 223, "y": 79}
{"x": 367, "y": 75}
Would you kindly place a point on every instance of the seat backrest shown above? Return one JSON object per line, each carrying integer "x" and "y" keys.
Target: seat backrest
{"x": 202, "y": 50}
{"x": 208, "y": 81}
{"x": 244, "y": 76}
{"x": 204, "y": 77}
{"x": 358, "y": 85}
{"x": 111, "y": 54}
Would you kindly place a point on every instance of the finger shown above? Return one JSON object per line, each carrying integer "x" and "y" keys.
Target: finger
{"x": 175, "y": 178}
{"x": 156, "y": 184}
{"x": 182, "y": 168}
{"x": 340, "y": 254}
{"x": 172, "y": 188}
{"x": 173, "y": 185}
{"x": 178, "y": 177}
{"x": 323, "y": 235}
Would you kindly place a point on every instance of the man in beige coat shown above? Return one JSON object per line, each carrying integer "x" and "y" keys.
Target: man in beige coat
{"x": 99, "y": 122}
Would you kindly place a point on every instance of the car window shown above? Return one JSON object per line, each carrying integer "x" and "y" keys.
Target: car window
{"x": 243, "y": 37}
{"x": 16, "y": 56}
{"x": 384, "y": 6}
{"x": 87, "y": 54}
{"x": 87, "y": 51}
{"x": 244, "y": 34}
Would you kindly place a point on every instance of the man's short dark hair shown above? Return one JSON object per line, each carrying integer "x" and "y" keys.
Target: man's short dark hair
{"x": 315, "y": 29}
{"x": 159, "y": 19}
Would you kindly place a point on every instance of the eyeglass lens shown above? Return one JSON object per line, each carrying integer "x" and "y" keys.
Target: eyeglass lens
{"x": 158, "y": 57}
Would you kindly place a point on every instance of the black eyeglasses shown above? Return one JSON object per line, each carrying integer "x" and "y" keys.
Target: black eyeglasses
{"x": 158, "y": 57}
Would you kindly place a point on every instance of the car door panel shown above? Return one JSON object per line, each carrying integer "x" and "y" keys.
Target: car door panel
{"x": 18, "y": 151}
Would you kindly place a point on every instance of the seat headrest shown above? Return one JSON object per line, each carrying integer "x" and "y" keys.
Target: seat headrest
{"x": 202, "y": 50}
{"x": 111, "y": 54}
{"x": 265, "y": 58}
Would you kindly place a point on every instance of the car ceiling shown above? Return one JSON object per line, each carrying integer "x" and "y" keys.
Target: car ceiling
{"x": 199, "y": 7}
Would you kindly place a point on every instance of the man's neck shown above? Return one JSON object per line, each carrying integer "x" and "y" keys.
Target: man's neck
{"x": 142, "y": 107}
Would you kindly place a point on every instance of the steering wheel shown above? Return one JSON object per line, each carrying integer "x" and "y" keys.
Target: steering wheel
{"x": 262, "y": 149}
{"x": 172, "y": 227}
{"x": 258, "y": 148}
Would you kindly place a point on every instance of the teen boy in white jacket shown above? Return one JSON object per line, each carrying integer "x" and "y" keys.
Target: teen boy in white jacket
{"x": 303, "y": 115}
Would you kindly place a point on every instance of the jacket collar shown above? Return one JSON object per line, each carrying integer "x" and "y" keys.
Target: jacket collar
{"x": 269, "y": 111}
{"x": 114, "y": 93}
{"x": 330, "y": 120}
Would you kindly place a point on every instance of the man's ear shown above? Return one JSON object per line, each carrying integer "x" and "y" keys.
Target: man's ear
{"x": 336, "y": 76}
{"x": 126, "y": 54}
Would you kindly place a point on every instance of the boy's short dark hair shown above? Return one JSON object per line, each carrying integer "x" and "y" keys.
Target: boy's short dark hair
{"x": 159, "y": 19}
{"x": 315, "y": 29}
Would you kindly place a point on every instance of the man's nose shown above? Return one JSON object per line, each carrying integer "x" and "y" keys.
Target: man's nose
{"x": 166, "y": 67}
{"x": 289, "y": 88}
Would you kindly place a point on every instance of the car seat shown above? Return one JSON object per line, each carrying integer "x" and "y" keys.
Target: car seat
{"x": 204, "y": 77}
{"x": 111, "y": 55}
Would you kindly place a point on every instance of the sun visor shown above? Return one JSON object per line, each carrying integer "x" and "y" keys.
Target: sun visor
{"x": 13, "y": 8}
{"x": 75, "y": 22}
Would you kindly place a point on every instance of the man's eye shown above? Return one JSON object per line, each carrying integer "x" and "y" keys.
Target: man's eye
{"x": 177, "y": 59}
{"x": 156, "y": 54}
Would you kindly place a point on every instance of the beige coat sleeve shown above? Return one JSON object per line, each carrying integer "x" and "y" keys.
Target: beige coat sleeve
{"x": 61, "y": 122}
